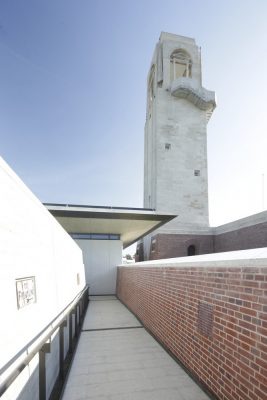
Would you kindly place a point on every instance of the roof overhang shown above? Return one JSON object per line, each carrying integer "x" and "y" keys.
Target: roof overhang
{"x": 130, "y": 223}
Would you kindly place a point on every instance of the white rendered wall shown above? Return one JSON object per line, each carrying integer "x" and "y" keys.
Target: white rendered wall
{"x": 101, "y": 258}
{"x": 32, "y": 243}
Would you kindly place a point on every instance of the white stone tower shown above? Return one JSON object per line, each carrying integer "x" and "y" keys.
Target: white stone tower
{"x": 178, "y": 110}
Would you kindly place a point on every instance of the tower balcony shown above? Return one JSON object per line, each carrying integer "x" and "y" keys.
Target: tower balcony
{"x": 189, "y": 89}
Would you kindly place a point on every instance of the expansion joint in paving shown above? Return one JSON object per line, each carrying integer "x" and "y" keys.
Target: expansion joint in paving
{"x": 112, "y": 329}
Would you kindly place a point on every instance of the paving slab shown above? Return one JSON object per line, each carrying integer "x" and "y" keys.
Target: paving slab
{"x": 100, "y": 298}
{"x": 107, "y": 314}
{"x": 124, "y": 363}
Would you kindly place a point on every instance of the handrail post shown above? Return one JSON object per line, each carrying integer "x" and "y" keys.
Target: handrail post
{"x": 70, "y": 332}
{"x": 76, "y": 321}
{"x": 61, "y": 349}
{"x": 46, "y": 348}
{"x": 80, "y": 312}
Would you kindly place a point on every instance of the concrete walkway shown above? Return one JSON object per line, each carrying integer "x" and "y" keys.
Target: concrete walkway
{"x": 116, "y": 359}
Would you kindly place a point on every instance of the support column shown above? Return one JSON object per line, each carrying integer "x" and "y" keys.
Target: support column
{"x": 46, "y": 348}
{"x": 70, "y": 332}
{"x": 61, "y": 349}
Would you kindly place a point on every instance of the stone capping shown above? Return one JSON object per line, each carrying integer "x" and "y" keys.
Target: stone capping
{"x": 186, "y": 229}
{"x": 241, "y": 258}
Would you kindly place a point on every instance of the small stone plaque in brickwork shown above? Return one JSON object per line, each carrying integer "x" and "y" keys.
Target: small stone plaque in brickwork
{"x": 205, "y": 318}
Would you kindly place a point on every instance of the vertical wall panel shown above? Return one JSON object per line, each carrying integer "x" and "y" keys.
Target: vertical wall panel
{"x": 101, "y": 258}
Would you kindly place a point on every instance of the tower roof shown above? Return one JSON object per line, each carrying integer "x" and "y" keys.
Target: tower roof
{"x": 180, "y": 38}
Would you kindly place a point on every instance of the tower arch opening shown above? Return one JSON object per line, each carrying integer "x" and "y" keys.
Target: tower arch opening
{"x": 180, "y": 65}
{"x": 150, "y": 90}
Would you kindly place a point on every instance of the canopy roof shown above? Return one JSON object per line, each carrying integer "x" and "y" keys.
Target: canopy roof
{"x": 130, "y": 223}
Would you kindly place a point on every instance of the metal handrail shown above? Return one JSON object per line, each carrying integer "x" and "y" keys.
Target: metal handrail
{"x": 23, "y": 363}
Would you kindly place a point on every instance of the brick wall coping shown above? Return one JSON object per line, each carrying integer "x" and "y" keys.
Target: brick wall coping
{"x": 251, "y": 220}
{"x": 241, "y": 258}
{"x": 192, "y": 229}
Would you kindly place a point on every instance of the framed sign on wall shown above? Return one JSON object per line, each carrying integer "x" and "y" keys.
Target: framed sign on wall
{"x": 26, "y": 291}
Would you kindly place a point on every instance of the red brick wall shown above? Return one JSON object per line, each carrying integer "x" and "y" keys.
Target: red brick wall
{"x": 250, "y": 237}
{"x": 176, "y": 245}
{"x": 231, "y": 359}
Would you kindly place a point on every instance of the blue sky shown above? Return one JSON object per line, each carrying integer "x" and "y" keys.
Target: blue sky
{"x": 73, "y": 94}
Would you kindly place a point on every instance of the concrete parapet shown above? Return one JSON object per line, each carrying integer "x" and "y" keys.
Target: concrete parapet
{"x": 41, "y": 272}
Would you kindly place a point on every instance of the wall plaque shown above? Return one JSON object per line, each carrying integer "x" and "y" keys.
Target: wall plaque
{"x": 26, "y": 291}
